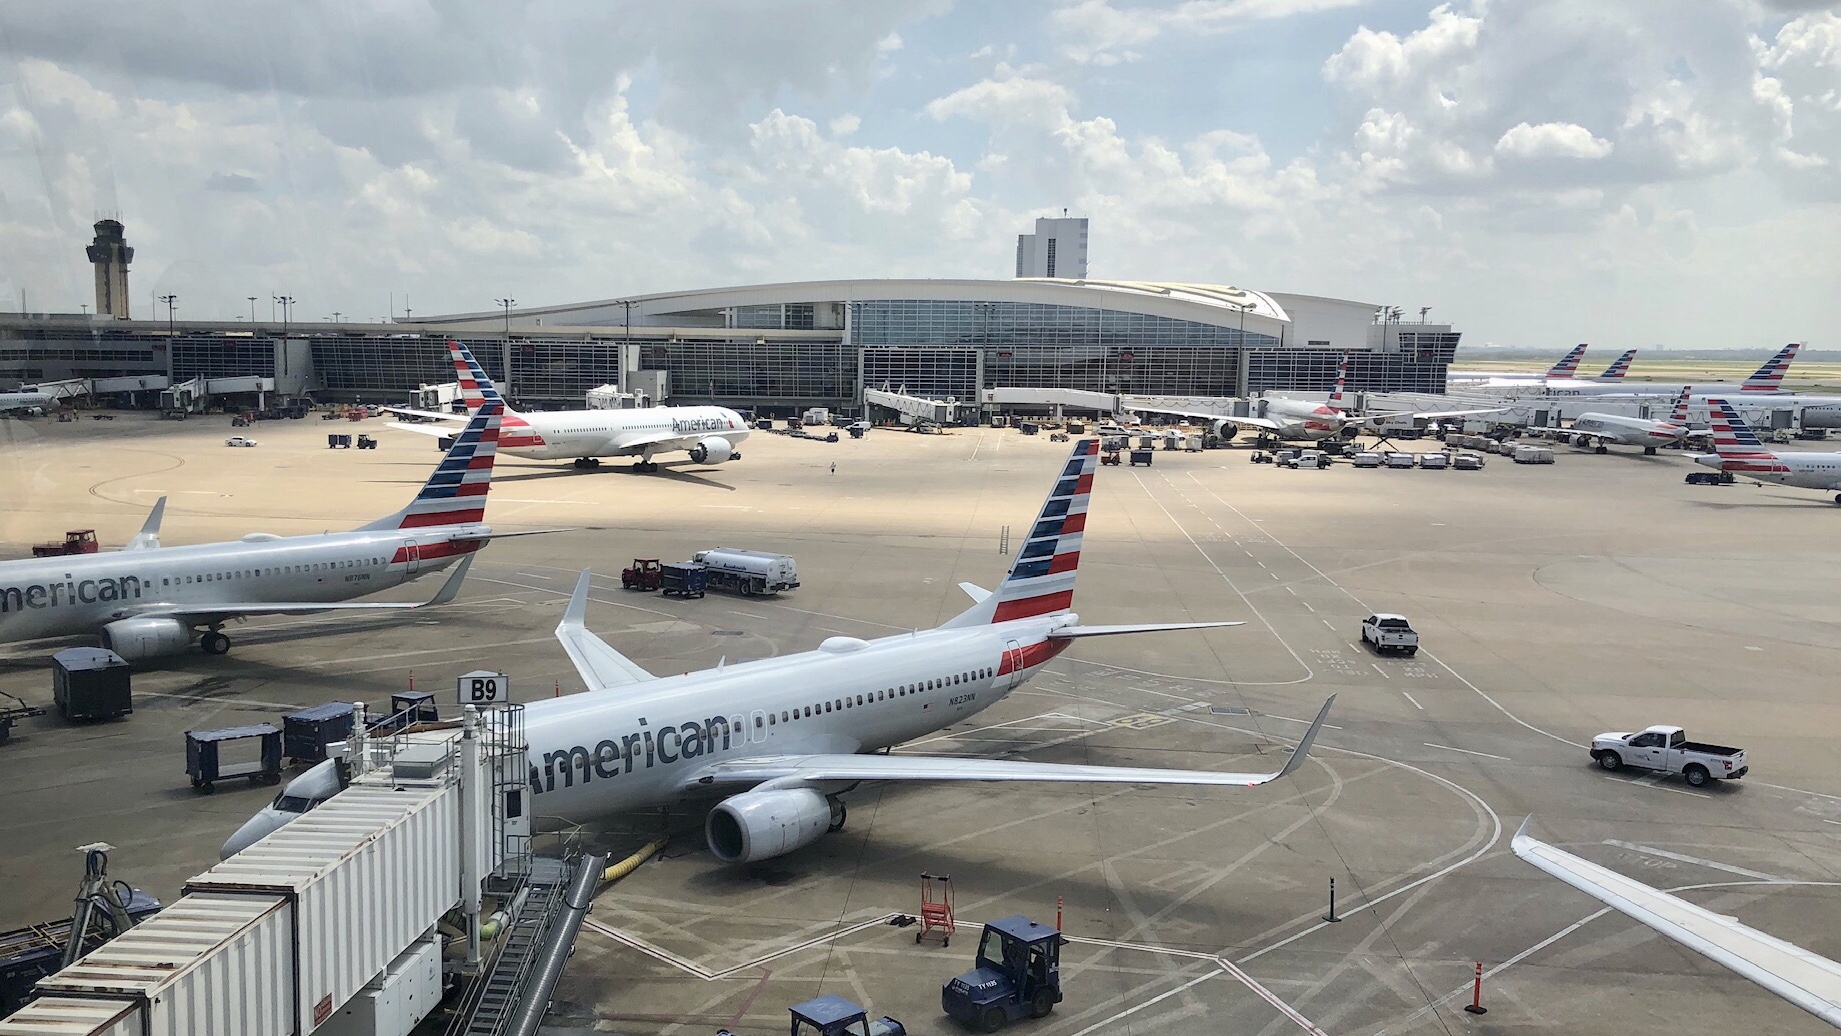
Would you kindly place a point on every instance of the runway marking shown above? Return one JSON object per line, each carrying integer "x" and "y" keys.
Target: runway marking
{"x": 1300, "y": 722}
{"x": 533, "y": 575}
{"x": 1328, "y": 623}
{"x": 1289, "y": 590}
{"x": 1415, "y": 702}
{"x": 1378, "y": 669}
{"x": 1467, "y": 751}
{"x": 1306, "y": 604}
{"x": 206, "y": 699}
{"x": 1695, "y": 860}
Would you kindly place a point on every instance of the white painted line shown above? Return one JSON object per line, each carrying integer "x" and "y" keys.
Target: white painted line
{"x": 1327, "y": 622}
{"x": 1272, "y": 574}
{"x": 1467, "y": 751}
{"x": 1129, "y": 1011}
{"x": 1300, "y": 722}
{"x": 1827, "y": 821}
{"x": 1695, "y": 860}
{"x": 534, "y": 575}
{"x": 1415, "y": 702}
{"x": 1307, "y": 606}
{"x": 1289, "y": 590}
{"x": 1378, "y": 669}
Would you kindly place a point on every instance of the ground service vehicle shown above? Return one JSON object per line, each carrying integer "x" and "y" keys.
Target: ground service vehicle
{"x": 1305, "y": 459}
{"x": 643, "y": 575}
{"x": 1390, "y": 633}
{"x": 1365, "y": 459}
{"x": 1434, "y": 461}
{"x": 831, "y": 1015}
{"x": 748, "y": 572}
{"x": 683, "y": 579}
{"x": 76, "y": 541}
{"x": 1017, "y": 973}
{"x": 1467, "y": 462}
{"x": 1399, "y": 459}
{"x": 1668, "y": 749}
{"x": 1710, "y": 478}
{"x": 239, "y": 440}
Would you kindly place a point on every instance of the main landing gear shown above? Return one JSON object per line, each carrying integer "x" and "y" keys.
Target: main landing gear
{"x": 214, "y": 643}
{"x": 646, "y": 467}
{"x": 587, "y": 463}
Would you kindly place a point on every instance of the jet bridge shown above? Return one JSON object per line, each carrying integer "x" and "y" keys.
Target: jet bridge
{"x": 914, "y": 408}
{"x": 328, "y": 925}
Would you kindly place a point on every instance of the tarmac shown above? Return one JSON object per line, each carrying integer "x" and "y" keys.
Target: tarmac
{"x": 1553, "y": 602}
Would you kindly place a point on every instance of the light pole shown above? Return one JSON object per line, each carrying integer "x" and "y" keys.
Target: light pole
{"x": 169, "y": 300}
{"x": 252, "y": 309}
{"x": 335, "y": 316}
{"x": 287, "y": 311}
{"x": 505, "y": 304}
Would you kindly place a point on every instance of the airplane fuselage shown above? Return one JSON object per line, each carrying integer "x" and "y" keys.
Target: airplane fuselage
{"x": 1629, "y": 431}
{"x": 1799, "y": 470}
{"x": 1303, "y": 421}
{"x": 633, "y": 746}
{"x": 80, "y": 593}
{"x": 615, "y": 433}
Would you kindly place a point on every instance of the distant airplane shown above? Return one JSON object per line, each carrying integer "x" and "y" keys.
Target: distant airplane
{"x": 1299, "y": 420}
{"x": 1566, "y": 369}
{"x": 709, "y": 434}
{"x": 23, "y": 400}
{"x": 1767, "y": 380}
{"x": 147, "y": 600}
{"x": 1619, "y": 367}
{"x": 790, "y": 735}
{"x": 1806, "y": 979}
{"x": 1605, "y": 430}
{"x": 1738, "y": 450}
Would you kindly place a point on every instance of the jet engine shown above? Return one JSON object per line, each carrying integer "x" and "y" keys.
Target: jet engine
{"x": 1226, "y": 430}
{"x": 713, "y": 450}
{"x": 135, "y": 639}
{"x": 759, "y": 825}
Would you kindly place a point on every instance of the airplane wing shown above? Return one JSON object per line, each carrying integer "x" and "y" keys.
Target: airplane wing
{"x": 1072, "y": 632}
{"x": 1808, "y": 980}
{"x": 662, "y": 438}
{"x": 1250, "y": 422}
{"x": 149, "y": 537}
{"x": 218, "y": 612}
{"x": 600, "y": 665}
{"x": 791, "y": 771}
{"x": 425, "y": 429}
{"x": 1434, "y": 415}
{"x": 429, "y": 415}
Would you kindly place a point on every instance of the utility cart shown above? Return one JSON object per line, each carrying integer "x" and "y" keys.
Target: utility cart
{"x": 1017, "y": 972}
{"x": 407, "y": 708}
{"x": 12, "y": 710}
{"x": 203, "y": 756}
{"x": 643, "y": 575}
{"x": 683, "y": 579}
{"x": 831, "y": 1015}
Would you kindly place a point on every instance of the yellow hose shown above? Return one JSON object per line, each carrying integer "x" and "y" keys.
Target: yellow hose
{"x": 631, "y": 863}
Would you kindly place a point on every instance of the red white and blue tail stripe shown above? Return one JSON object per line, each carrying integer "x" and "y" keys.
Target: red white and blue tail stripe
{"x": 1568, "y": 365}
{"x": 1342, "y": 378}
{"x": 1679, "y": 416}
{"x": 456, "y": 493}
{"x": 1736, "y": 444}
{"x": 1619, "y": 367}
{"x": 1041, "y": 581}
{"x": 475, "y": 387}
{"x": 1769, "y": 378}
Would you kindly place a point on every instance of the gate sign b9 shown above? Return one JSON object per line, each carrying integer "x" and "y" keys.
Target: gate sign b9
{"x": 484, "y": 687}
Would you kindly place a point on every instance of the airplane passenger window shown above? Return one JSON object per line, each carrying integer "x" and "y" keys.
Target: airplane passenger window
{"x": 770, "y": 720}
{"x": 859, "y": 699}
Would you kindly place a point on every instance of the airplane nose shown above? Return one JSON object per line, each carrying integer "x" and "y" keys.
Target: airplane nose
{"x": 266, "y": 821}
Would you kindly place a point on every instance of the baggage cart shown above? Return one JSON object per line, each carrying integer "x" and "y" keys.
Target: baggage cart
{"x": 204, "y": 756}
{"x": 91, "y": 683}
{"x": 305, "y": 734}
{"x": 683, "y": 579}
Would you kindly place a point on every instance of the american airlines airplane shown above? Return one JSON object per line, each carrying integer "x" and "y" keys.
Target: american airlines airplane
{"x": 23, "y": 400}
{"x": 1738, "y": 450}
{"x": 709, "y": 434}
{"x": 1565, "y": 370}
{"x": 1766, "y": 380}
{"x": 1601, "y": 431}
{"x": 147, "y": 600}
{"x": 1301, "y": 420}
{"x": 785, "y": 738}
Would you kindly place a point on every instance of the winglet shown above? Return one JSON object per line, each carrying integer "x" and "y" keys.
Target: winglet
{"x": 1521, "y": 833}
{"x": 1298, "y": 754}
{"x": 149, "y": 537}
{"x": 598, "y": 663}
{"x": 451, "y": 589}
{"x": 576, "y": 615}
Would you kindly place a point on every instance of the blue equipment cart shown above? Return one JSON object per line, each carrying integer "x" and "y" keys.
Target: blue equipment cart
{"x": 203, "y": 749}
{"x": 831, "y": 1015}
{"x": 683, "y": 579}
{"x": 305, "y": 734}
{"x": 1017, "y": 973}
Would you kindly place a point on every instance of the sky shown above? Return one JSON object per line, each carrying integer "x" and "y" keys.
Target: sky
{"x": 1632, "y": 173}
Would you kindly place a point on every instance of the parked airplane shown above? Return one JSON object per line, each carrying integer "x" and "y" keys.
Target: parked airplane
{"x": 25, "y": 400}
{"x": 1566, "y": 369}
{"x": 1604, "y": 430}
{"x": 709, "y": 434}
{"x": 147, "y": 600}
{"x": 1738, "y": 450}
{"x": 1804, "y": 978}
{"x": 791, "y": 734}
{"x": 1301, "y": 420}
{"x": 1766, "y": 380}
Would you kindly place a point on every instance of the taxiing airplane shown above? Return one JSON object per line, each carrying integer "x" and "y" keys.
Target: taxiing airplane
{"x": 1301, "y": 420}
{"x": 147, "y": 600}
{"x": 784, "y": 738}
{"x": 1565, "y": 370}
{"x": 709, "y": 434}
{"x": 35, "y": 402}
{"x": 1803, "y": 977}
{"x": 1738, "y": 450}
{"x": 1601, "y": 431}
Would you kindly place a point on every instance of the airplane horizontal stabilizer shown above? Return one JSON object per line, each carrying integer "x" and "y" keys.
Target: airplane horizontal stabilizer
{"x": 1071, "y": 632}
{"x": 149, "y": 537}
{"x": 974, "y": 591}
{"x": 428, "y": 415}
{"x": 1803, "y": 977}
{"x": 424, "y": 429}
{"x": 600, "y": 665}
{"x": 791, "y": 771}
{"x": 450, "y": 589}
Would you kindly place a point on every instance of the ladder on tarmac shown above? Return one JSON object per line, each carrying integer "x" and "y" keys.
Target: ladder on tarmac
{"x": 489, "y": 1004}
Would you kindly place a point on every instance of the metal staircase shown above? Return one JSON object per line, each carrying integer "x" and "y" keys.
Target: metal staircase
{"x": 489, "y": 1004}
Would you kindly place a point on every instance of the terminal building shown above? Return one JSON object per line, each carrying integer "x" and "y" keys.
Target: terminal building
{"x": 783, "y": 347}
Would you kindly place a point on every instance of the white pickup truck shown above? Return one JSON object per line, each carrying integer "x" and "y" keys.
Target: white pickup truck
{"x": 1390, "y": 633}
{"x": 1669, "y": 750}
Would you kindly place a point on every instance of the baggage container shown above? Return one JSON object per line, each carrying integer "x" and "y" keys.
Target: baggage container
{"x": 165, "y": 970}
{"x": 1532, "y": 455}
{"x": 91, "y": 683}
{"x": 305, "y": 734}
{"x": 341, "y": 866}
{"x": 683, "y": 579}
{"x": 72, "y": 1016}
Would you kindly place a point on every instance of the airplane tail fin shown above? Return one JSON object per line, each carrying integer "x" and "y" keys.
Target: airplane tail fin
{"x": 456, "y": 493}
{"x": 1569, "y": 364}
{"x": 1733, "y": 439}
{"x": 1769, "y": 378}
{"x": 475, "y": 387}
{"x": 149, "y": 537}
{"x": 1336, "y": 400}
{"x": 1679, "y": 415}
{"x": 1618, "y": 367}
{"x": 1041, "y": 580}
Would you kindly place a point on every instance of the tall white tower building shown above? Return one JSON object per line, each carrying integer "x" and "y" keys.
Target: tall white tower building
{"x": 1058, "y": 248}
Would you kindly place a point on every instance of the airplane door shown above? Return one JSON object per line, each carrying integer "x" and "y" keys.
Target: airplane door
{"x": 412, "y": 559}
{"x": 758, "y": 731}
{"x": 1013, "y": 660}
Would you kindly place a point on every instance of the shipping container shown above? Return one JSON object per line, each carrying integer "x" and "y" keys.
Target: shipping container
{"x": 369, "y": 873}
{"x": 72, "y": 1016}
{"x": 209, "y": 965}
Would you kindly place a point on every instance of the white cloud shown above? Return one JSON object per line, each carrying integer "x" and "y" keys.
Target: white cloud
{"x": 844, "y": 125}
{"x": 1551, "y": 140}
{"x": 1096, "y": 32}
{"x": 1010, "y": 99}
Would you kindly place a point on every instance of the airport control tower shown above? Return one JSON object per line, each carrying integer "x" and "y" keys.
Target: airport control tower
{"x": 110, "y": 254}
